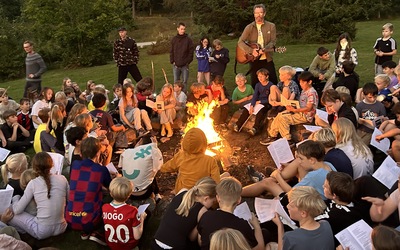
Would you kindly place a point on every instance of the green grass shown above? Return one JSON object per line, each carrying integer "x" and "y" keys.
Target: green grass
{"x": 147, "y": 30}
{"x": 296, "y": 55}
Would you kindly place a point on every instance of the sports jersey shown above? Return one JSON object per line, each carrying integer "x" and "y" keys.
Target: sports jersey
{"x": 119, "y": 221}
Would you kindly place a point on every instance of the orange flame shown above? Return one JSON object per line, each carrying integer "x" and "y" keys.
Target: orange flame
{"x": 204, "y": 121}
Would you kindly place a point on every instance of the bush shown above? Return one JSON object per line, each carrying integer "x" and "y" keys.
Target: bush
{"x": 162, "y": 45}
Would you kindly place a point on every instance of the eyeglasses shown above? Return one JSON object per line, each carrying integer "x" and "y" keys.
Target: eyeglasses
{"x": 25, "y": 47}
{"x": 258, "y": 13}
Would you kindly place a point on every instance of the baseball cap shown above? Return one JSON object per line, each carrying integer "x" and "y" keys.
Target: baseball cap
{"x": 122, "y": 29}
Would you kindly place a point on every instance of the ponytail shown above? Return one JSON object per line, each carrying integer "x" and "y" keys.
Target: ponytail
{"x": 204, "y": 187}
{"x": 56, "y": 114}
{"x": 42, "y": 163}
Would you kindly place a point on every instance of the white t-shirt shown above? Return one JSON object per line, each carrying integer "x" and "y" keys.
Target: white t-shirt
{"x": 361, "y": 166}
{"x": 181, "y": 98}
{"x": 40, "y": 104}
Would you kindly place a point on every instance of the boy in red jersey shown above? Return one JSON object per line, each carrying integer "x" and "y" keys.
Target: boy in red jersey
{"x": 122, "y": 223}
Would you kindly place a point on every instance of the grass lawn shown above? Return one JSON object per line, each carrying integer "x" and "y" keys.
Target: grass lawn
{"x": 296, "y": 55}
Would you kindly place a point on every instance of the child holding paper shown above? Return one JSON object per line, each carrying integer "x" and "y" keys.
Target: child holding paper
{"x": 260, "y": 97}
{"x": 228, "y": 197}
{"x": 119, "y": 216}
{"x": 168, "y": 114}
{"x": 304, "y": 204}
{"x": 310, "y": 155}
{"x": 340, "y": 211}
{"x": 293, "y": 116}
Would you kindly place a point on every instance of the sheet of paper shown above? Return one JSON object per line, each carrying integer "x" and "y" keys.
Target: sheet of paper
{"x": 5, "y": 198}
{"x": 280, "y": 152}
{"x": 142, "y": 208}
{"x": 388, "y": 172}
{"x": 323, "y": 115}
{"x": 383, "y": 145}
{"x": 265, "y": 209}
{"x": 312, "y": 128}
{"x": 4, "y": 153}
{"x": 356, "y": 236}
{"x": 111, "y": 168}
{"x": 285, "y": 102}
{"x": 150, "y": 104}
{"x": 58, "y": 163}
{"x": 256, "y": 108}
{"x": 243, "y": 211}
{"x": 284, "y": 216}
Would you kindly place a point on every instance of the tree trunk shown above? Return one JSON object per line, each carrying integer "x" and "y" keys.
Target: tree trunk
{"x": 133, "y": 9}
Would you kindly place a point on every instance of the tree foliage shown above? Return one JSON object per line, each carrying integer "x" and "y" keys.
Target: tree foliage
{"x": 74, "y": 31}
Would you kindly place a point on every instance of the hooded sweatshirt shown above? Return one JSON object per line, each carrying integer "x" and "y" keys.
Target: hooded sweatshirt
{"x": 191, "y": 163}
{"x": 182, "y": 49}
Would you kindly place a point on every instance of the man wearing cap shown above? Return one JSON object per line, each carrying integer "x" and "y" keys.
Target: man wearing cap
{"x": 126, "y": 55}
{"x": 35, "y": 67}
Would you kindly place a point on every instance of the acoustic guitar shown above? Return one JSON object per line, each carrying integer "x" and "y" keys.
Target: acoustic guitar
{"x": 242, "y": 57}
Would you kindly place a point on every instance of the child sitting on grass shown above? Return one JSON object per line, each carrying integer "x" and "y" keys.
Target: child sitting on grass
{"x": 293, "y": 116}
{"x": 17, "y": 138}
{"x": 119, "y": 216}
{"x": 304, "y": 205}
{"x": 228, "y": 197}
{"x": 261, "y": 94}
{"x": 243, "y": 93}
{"x": 83, "y": 210}
{"x": 6, "y": 104}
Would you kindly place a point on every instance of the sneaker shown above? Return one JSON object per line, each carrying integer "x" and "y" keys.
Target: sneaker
{"x": 255, "y": 176}
{"x": 158, "y": 197}
{"x": 97, "y": 237}
{"x": 142, "y": 132}
{"x": 252, "y": 131}
{"x": 84, "y": 236}
{"x": 268, "y": 141}
{"x": 235, "y": 127}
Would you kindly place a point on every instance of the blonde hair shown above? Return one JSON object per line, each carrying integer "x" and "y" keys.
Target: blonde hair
{"x": 306, "y": 198}
{"x": 171, "y": 95}
{"x": 240, "y": 76}
{"x": 346, "y": 132}
{"x": 204, "y": 187}
{"x": 397, "y": 69}
{"x": 229, "y": 191}
{"x": 61, "y": 97}
{"x": 384, "y": 78}
{"x": 326, "y": 136}
{"x": 287, "y": 69}
{"x": 342, "y": 89}
{"x": 76, "y": 110}
{"x": 84, "y": 120}
{"x": 15, "y": 163}
{"x": 26, "y": 177}
{"x": 120, "y": 189}
{"x": 197, "y": 87}
{"x": 229, "y": 239}
{"x": 127, "y": 80}
{"x": 57, "y": 114}
{"x": 388, "y": 26}
{"x": 217, "y": 42}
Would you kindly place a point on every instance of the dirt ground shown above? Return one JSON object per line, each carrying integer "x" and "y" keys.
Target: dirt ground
{"x": 244, "y": 150}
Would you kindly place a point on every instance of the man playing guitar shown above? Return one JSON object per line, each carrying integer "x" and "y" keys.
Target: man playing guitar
{"x": 263, "y": 33}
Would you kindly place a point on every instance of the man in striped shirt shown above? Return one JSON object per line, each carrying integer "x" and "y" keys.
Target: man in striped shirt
{"x": 35, "y": 67}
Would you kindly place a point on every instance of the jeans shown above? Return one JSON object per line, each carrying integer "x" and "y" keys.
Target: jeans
{"x": 184, "y": 70}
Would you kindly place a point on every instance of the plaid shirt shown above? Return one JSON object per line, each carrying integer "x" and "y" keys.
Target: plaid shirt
{"x": 126, "y": 52}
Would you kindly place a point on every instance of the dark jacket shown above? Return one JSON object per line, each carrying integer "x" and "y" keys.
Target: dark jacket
{"x": 182, "y": 49}
{"x": 346, "y": 112}
{"x": 126, "y": 52}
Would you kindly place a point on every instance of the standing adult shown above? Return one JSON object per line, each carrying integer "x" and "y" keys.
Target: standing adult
{"x": 35, "y": 67}
{"x": 181, "y": 54}
{"x": 263, "y": 33}
{"x": 126, "y": 55}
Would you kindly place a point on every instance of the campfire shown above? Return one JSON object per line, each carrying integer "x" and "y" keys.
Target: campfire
{"x": 217, "y": 146}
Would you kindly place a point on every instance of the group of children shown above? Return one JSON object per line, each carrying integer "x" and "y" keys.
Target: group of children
{"x": 329, "y": 170}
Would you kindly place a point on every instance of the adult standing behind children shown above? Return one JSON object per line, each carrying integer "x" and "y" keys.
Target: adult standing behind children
{"x": 181, "y": 54}
{"x": 385, "y": 47}
{"x": 263, "y": 33}
{"x": 126, "y": 55}
{"x": 35, "y": 67}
